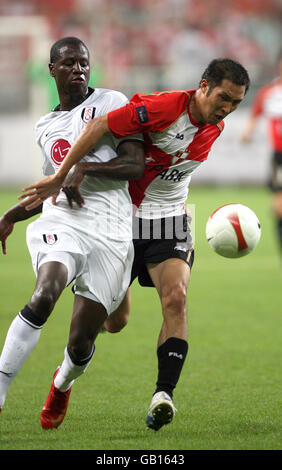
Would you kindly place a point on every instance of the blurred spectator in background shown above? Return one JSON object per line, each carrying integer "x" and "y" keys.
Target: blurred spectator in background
{"x": 150, "y": 44}
{"x": 268, "y": 102}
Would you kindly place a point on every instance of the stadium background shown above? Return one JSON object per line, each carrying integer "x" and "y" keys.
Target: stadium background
{"x": 229, "y": 395}
{"x": 135, "y": 45}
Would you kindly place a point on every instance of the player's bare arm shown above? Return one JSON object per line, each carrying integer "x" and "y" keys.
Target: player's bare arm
{"x": 10, "y": 217}
{"x": 128, "y": 165}
{"x": 249, "y": 129}
{"x": 34, "y": 194}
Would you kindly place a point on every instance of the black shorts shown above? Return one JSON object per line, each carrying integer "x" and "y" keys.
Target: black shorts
{"x": 276, "y": 175}
{"x": 156, "y": 240}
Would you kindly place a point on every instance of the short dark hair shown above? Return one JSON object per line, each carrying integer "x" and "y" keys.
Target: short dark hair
{"x": 220, "y": 69}
{"x": 57, "y": 46}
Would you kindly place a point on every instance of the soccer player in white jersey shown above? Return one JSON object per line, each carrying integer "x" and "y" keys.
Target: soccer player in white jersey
{"x": 179, "y": 128}
{"x": 91, "y": 246}
{"x": 268, "y": 103}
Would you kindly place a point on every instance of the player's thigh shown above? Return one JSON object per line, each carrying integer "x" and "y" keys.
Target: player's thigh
{"x": 106, "y": 275}
{"x": 52, "y": 275}
{"x": 169, "y": 274}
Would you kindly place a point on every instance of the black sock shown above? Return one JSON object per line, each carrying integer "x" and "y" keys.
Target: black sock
{"x": 31, "y": 318}
{"x": 80, "y": 362}
{"x": 171, "y": 357}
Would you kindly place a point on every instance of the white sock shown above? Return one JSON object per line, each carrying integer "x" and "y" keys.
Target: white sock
{"x": 21, "y": 339}
{"x": 69, "y": 372}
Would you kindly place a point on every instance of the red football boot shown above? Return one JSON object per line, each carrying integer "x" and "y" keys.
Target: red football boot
{"x": 55, "y": 406}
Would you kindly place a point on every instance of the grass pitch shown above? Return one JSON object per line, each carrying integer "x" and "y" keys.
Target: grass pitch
{"x": 229, "y": 394}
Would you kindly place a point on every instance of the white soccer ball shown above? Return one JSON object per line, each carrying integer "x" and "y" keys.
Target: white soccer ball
{"x": 233, "y": 230}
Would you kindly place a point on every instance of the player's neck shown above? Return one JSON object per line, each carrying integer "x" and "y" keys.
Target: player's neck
{"x": 68, "y": 102}
{"x": 194, "y": 108}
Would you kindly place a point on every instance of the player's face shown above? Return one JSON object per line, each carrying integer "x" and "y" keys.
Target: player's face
{"x": 222, "y": 100}
{"x": 71, "y": 70}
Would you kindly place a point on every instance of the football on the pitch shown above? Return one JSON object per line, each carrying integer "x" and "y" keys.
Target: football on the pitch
{"x": 233, "y": 230}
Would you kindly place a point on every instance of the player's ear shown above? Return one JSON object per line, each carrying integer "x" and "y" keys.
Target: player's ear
{"x": 204, "y": 86}
{"x": 51, "y": 70}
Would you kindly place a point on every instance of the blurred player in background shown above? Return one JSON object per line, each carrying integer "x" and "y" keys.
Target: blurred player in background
{"x": 91, "y": 246}
{"x": 179, "y": 128}
{"x": 268, "y": 102}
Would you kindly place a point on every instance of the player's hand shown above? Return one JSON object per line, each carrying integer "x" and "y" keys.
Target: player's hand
{"x": 54, "y": 197}
{"x": 34, "y": 194}
{"x": 71, "y": 185}
{"x": 6, "y": 228}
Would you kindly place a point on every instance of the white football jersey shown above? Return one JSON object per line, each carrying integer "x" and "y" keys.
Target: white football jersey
{"x": 107, "y": 201}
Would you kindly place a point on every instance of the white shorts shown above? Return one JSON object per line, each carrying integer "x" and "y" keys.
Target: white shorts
{"x": 100, "y": 269}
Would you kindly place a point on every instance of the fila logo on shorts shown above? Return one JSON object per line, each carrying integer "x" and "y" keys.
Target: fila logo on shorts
{"x": 50, "y": 238}
{"x": 87, "y": 114}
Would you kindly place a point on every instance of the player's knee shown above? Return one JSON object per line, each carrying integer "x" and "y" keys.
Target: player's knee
{"x": 79, "y": 347}
{"x": 174, "y": 302}
{"x": 43, "y": 301}
{"x": 115, "y": 325}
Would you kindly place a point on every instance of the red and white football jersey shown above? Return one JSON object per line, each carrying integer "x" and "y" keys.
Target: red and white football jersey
{"x": 175, "y": 146}
{"x": 268, "y": 102}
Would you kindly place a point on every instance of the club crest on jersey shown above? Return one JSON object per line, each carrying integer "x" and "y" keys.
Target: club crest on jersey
{"x": 142, "y": 114}
{"x": 59, "y": 150}
{"x": 87, "y": 114}
{"x": 50, "y": 238}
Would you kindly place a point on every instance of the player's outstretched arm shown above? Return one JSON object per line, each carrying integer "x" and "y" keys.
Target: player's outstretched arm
{"x": 9, "y": 218}
{"x": 34, "y": 194}
{"x": 128, "y": 165}
{"x": 249, "y": 129}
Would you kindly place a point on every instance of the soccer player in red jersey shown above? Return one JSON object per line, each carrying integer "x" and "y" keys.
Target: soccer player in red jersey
{"x": 268, "y": 102}
{"x": 179, "y": 128}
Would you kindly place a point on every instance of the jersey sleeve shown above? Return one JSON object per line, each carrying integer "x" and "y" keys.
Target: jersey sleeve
{"x": 148, "y": 113}
{"x": 119, "y": 100}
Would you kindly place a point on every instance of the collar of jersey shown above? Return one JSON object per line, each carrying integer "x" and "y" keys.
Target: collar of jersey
{"x": 90, "y": 91}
